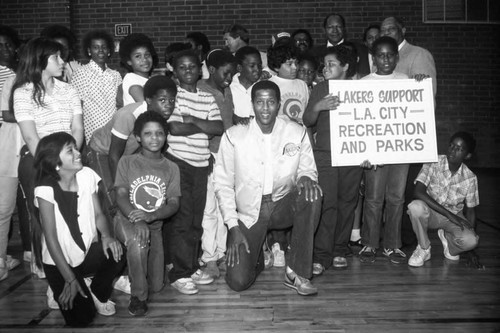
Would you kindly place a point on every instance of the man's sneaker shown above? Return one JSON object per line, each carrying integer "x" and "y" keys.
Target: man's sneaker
{"x": 105, "y": 309}
{"x": 396, "y": 256}
{"x": 212, "y": 269}
{"x": 367, "y": 254}
{"x": 302, "y": 285}
{"x": 201, "y": 277}
{"x": 318, "y": 269}
{"x": 419, "y": 256}
{"x": 339, "y": 262}
{"x": 279, "y": 255}
{"x": 185, "y": 286}
{"x": 137, "y": 308}
{"x": 355, "y": 243}
{"x": 12, "y": 262}
{"x": 446, "y": 250}
{"x": 4, "y": 271}
{"x": 122, "y": 284}
{"x": 51, "y": 302}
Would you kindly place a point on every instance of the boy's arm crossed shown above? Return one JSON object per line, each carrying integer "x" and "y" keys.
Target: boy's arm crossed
{"x": 193, "y": 125}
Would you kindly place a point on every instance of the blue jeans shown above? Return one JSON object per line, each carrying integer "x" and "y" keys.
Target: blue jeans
{"x": 340, "y": 187}
{"x": 423, "y": 218}
{"x": 386, "y": 184}
{"x": 145, "y": 265}
{"x": 184, "y": 230}
{"x": 291, "y": 211}
{"x": 104, "y": 272}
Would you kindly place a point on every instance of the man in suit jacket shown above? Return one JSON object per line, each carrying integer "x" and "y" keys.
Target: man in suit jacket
{"x": 335, "y": 31}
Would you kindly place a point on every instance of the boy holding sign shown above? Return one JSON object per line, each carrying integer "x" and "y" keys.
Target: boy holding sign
{"x": 384, "y": 183}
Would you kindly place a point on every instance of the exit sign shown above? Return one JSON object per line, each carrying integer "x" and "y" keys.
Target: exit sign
{"x": 122, "y": 30}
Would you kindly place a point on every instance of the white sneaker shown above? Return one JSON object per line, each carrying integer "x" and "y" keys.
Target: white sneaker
{"x": 419, "y": 256}
{"x": 12, "y": 262}
{"x": 122, "y": 284}
{"x": 105, "y": 309}
{"x": 4, "y": 271}
{"x": 279, "y": 255}
{"x": 268, "y": 259}
{"x": 201, "y": 277}
{"x": 27, "y": 256}
{"x": 446, "y": 250}
{"x": 185, "y": 286}
{"x": 51, "y": 302}
{"x": 318, "y": 269}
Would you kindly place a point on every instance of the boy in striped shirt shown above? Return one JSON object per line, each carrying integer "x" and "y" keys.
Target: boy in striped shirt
{"x": 196, "y": 117}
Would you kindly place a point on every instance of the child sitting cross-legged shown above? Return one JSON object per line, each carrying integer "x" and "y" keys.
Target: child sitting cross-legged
{"x": 147, "y": 192}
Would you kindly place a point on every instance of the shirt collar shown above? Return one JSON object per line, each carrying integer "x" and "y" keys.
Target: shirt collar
{"x": 95, "y": 66}
{"x": 328, "y": 44}
{"x": 403, "y": 43}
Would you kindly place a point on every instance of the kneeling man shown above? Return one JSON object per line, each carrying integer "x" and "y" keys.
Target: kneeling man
{"x": 266, "y": 179}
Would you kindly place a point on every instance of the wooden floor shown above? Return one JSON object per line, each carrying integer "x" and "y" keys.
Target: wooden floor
{"x": 442, "y": 296}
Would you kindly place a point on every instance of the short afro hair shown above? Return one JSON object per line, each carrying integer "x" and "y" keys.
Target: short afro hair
{"x": 342, "y": 19}
{"x": 159, "y": 82}
{"x": 469, "y": 140}
{"x": 309, "y": 57}
{"x": 305, "y": 32}
{"x": 370, "y": 27}
{"x": 344, "y": 55}
{"x": 199, "y": 38}
{"x": 185, "y": 53}
{"x": 131, "y": 43}
{"x": 219, "y": 57}
{"x": 98, "y": 34}
{"x": 243, "y": 52}
{"x": 266, "y": 85}
{"x": 148, "y": 117}
{"x": 10, "y": 33}
{"x": 277, "y": 55}
{"x": 386, "y": 40}
{"x": 60, "y": 31}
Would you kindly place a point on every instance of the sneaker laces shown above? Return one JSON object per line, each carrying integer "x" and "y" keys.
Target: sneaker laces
{"x": 388, "y": 252}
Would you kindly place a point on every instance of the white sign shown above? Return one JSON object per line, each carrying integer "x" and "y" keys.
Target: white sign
{"x": 385, "y": 122}
{"x": 122, "y": 30}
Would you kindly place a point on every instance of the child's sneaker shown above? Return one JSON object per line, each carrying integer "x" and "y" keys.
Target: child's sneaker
{"x": 104, "y": 309}
{"x": 396, "y": 256}
{"x": 12, "y": 262}
{"x": 185, "y": 286}
{"x": 446, "y": 250}
{"x": 122, "y": 284}
{"x": 212, "y": 269}
{"x": 367, "y": 254}
{"x": 268, "y": 259}
{"x": 4, "y": 271}
{"x": 318, "y": 268}
{"x": 279, "y": 255}
{"x": 51, "y": 302}
{"x": 419, "y": 256}
{"x": 201, "y": 277}
{"x": 137, "y": 307}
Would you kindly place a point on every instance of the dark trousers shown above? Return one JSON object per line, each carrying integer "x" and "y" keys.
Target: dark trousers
{"x": 26, "y": 209}
{"x": 291, "y": 211}
{"x": 340, "y": 187}
{"x": 104, "y": 272}
{"x": 184, "y": 229}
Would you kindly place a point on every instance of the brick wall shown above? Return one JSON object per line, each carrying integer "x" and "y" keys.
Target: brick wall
{"x": 466, "y": 55}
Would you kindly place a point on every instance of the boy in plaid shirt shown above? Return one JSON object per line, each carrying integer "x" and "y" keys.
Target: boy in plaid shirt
{"x": 442, "y": 191}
